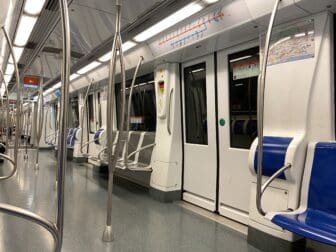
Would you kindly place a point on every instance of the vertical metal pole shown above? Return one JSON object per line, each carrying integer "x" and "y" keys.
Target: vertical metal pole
{"x": 7, "y": 111}
{"x": 108, "y": 232}
{"x": 62, "y": 150}
{"x": 83, "y": 110}
{"x": 40, "y": 116}
{"x": 18, "y": 101}
{"x": 129, "y": 109}
{"x": 260, "y": 112}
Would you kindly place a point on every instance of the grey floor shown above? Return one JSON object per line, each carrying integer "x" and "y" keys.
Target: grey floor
{"x": 140, "y": 223}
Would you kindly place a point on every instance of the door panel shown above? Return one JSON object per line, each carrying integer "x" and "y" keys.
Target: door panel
{"x": 238, "y": 71}
{"x": 200, "y": 157}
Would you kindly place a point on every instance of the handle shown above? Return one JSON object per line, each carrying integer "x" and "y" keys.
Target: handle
{"x": 168, "y": 119}
{"x": 260, "y": 112}
{"x": 83, "y": 110}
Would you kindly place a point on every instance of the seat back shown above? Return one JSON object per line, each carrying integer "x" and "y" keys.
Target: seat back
{"x": 133, "y": 143}
{"x": 145, "y": 155}
{"x": 274, "y": 155}
{"x": 322, "y": 185}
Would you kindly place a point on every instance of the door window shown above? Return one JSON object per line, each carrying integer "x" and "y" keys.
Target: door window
{"x": 196, "y": 104}
{"x": 92, "y": 126}
{"x": 243, "y": 83}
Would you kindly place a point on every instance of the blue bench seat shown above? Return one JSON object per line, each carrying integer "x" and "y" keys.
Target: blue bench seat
{"x": 316, "y": 217}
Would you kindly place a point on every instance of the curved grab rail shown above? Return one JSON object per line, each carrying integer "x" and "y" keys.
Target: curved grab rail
{"x": 18, "y": 103}
{"x": 7, "y": 109}
{"x": 56, "y": 229}
{"x": 168, "y": 119}
{"x": 45, "y": 126}
{"x": 40, "y": 116}
{"x": 83, "y": 110}
{"x": 130, "y": 105}
{"x": 260, "y": 114}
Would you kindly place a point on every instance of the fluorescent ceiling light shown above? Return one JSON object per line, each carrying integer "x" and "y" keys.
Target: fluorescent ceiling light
{"x": 88, "y": 67}
{"x": 128, "y": 45}
{"x": 210, "y": 1}
{"x": 24, "y": 30}
{"x": 57, "y": 85}
{"x": 198, "y": 70}
{"x": 241, "y": 58}
{"x": 7, "y": 78}
{"x": 299, "y": 35}
{"x": 169, "y": 21}
{"x": 34, "y": 7}
{"x": 9, "y": 69}
{"x": 125, "y": 46}
{"x": 18, "y": 53}
{"x": 73, "y": 76}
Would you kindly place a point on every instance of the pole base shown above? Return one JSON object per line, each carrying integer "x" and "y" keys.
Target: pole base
{"x": 108, "y": 234}
{"x": 25, "y": 157}
{"x": 37, "y": 167}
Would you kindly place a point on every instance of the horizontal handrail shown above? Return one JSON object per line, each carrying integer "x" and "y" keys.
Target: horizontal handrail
{"x": 30, "y": 216}
{"x": 141, "y": 149}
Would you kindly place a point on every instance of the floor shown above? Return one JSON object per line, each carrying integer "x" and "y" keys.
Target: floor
{"x": 140, "y": 223}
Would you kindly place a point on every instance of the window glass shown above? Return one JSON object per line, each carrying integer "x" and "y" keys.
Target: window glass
{"x": 143, "y": 108}
{"x": 99, "y": 111}
{"x": 196, "y": 123}
{"x": 243, "y": 83}
{"x": 92, "y": 125}
{"x": 74, "y": 113}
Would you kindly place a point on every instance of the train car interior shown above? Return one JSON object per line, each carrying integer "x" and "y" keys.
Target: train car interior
{"x": 168, "y": 125}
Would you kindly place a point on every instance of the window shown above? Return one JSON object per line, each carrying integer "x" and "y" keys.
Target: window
{"x": 196, "y": 122}
{"x": 243, "y": 83}
{"x": 74, "y": 113}
{"x": 143, "y": 109}
{"x": 91, "y": 116}
{"x": 99, "y": 111}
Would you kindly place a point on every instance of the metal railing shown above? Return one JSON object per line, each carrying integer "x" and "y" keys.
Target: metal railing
{"x": 14, "y": 161}
{"x": 55, "y": 229}
{"x": 129, "y": 108}
{"x": 7, "y": 109}
{"x": 112, "y": 159}
{"x": 261, "y": 100}
{"x": 40, "y": 116}
{"x": 83, "y": 111}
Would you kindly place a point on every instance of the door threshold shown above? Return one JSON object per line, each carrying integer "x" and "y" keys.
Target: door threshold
{"x": 236, "y": 226}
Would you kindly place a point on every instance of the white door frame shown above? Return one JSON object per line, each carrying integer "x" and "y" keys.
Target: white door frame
{"x": 200, "y": 161}
{"x": 234, "y": 175}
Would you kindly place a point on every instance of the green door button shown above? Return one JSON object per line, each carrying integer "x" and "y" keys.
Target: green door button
{"x": 221, "y": 122}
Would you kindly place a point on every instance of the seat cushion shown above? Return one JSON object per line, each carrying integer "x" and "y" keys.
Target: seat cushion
{"x": 312, "y": 224}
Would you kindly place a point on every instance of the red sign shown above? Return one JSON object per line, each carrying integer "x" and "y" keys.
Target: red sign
{"x": 31, "y": 80}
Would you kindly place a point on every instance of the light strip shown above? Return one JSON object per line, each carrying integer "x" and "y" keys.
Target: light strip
{"x": 210, "y": 1}
{"x": 73, "y": 76}
{"x": 9, "y": 69}
{"x": 125, "y": 46}
{"x": 169, "y": 21}
{"x": 26, "y": 26}
{"x": 33, "y": 7}
{"x": 18, "y": 53}
{"x": 89, "y": 67}
{"x": 7, "y": 78}
{"x": 241, "y": 58}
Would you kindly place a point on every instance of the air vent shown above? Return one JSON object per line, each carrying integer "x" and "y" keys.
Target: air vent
{"x": 52, "y": 5}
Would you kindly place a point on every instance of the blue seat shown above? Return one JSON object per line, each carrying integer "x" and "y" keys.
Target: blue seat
{"x": 97, "y": 136}
{"x": 71, "y": 137}
{"x": 316, "y": 217}
{"x": 274, "y": 155}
